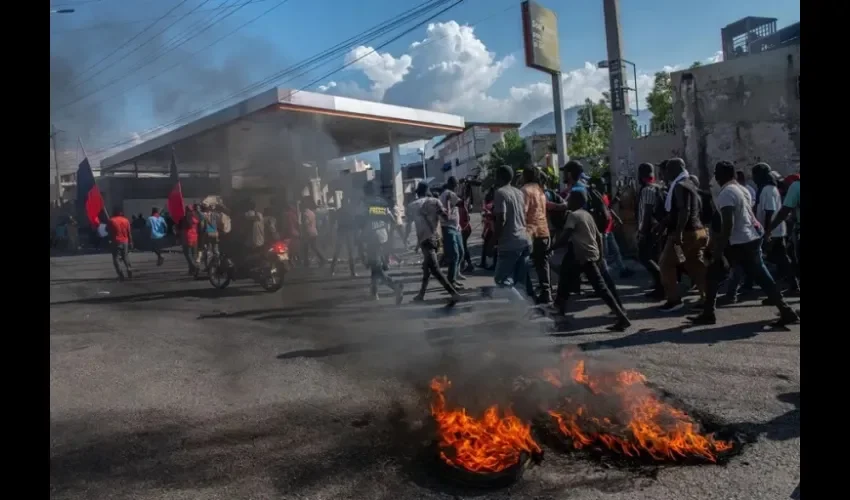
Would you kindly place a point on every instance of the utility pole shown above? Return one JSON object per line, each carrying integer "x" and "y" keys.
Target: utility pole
{"x": 621, "y": 136}
{"x": 53, "y": 132}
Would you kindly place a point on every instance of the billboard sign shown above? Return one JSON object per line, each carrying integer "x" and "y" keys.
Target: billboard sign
{"x": 540, "y": 35}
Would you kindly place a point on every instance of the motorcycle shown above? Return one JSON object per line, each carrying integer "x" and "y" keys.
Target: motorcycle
{"x": 268, "y": 269}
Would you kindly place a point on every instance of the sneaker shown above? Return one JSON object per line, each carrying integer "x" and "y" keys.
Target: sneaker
{"x": 543, "y": 299}
{"x": 626, "y": 273}
{"x": 418, "y": 298}
{"x": 654, "y": 294}
{"x": 703, "y": 319}
{"x": 399, "y": 293}
{"x": 453, "y": 299}
{"x": 160, "y": 260}
{"x": 376, "y": 297}
{"x": 671, "y": 306}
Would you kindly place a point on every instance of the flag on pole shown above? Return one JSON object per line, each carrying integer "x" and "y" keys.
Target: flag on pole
{"x": 88, "y": 194}
{"x": 175, "y": 197}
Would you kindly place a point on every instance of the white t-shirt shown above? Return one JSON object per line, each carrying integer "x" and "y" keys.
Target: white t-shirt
{"x": 744, "y": 224}
{"x": 770, "y": 201}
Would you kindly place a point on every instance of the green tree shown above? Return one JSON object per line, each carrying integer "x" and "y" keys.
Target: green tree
{"x": 510, "y": 151}
{"x": 660, "y": 99}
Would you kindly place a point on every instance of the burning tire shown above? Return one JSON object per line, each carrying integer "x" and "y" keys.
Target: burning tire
{"x": 490, "y": 451}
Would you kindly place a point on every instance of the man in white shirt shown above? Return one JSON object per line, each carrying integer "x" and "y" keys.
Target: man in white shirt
{"x": 768, "y": 204}
{"x": 452, "y": 239}
{"x": 739, "y": 242}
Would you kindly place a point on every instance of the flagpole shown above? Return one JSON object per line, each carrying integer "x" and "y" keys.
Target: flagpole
{"x": 86, "y": 157}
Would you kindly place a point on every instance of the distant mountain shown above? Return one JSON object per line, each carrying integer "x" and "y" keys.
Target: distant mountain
{"x": 545, "y": 124}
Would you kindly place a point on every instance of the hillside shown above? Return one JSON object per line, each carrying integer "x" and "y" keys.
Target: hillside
{"x": 545, "y": 124}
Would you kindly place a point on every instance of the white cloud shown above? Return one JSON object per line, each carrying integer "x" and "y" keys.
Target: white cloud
{"x": 383, "y": 70}
{"x": 451, "y": 70}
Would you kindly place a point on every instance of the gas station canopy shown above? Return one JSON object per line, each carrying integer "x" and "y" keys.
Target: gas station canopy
{"x": 281, "y": 128}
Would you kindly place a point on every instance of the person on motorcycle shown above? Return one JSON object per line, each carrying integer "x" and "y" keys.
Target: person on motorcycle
{"x": 376, "y": 220}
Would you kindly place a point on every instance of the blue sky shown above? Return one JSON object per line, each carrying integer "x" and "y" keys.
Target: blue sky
{"x": 657, "y": 33}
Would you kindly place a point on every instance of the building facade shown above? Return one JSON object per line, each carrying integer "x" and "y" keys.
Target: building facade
{"x": 462, "y": 154}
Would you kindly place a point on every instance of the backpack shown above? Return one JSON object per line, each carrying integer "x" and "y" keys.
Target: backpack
{"x": 601, "y": 213}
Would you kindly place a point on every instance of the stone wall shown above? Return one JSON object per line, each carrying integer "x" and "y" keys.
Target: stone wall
{"x": 743, "y": 110}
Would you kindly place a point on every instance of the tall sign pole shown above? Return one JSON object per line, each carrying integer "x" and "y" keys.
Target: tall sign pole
{"x": 540, "y": 36}
{"x": 621, "y": 135}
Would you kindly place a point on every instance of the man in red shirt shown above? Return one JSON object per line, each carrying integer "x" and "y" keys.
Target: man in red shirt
{"x": 189, "y": 239}
{"x": 121, "y": 240}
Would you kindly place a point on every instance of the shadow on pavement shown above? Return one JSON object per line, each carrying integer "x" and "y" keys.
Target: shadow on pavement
{"x": 781, "y": 428}
{"x": 198, "y": 293}
{"x": 678, "y": 335}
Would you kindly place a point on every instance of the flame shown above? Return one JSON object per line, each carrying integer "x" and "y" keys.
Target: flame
{"x": 641, "y": 424}
{"x": 490, "y": 444}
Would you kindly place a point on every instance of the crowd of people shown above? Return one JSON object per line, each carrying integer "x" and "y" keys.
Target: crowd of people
{"x": 724, "y": 233}
{"x": 711, "y": 236}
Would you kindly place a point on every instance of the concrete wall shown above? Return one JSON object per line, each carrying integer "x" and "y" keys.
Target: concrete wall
{"x": 744, "y": 110}
{"x": 656, "y": 148}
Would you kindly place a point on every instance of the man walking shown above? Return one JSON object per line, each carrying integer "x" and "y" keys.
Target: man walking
{"x": 377, "y": 220}
{"x": 452, "y": 239}
{"x": 582, "y": 233}
{"x": 158, "y": 230}
{"x": 687, "y": 238}
{"x": 648, "y": 205}
{"x": 537, "y": 224}
{"x": 343, "y": 220}
{"x": 425, "y": 213}
{"x": 739, "y": 243}
{"x": 512, "y": 240}
{"x": 189, "y": 239}
{"x": 121, "y": 240}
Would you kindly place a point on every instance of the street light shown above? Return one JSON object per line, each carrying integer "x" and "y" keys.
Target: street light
{"x": 62, "y": 11}
{"x": 607, "y": 65}
{"x": 421, "y": 152}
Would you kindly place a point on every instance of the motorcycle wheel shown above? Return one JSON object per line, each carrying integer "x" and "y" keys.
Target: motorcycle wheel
{"x": 219, "y": 275}
{"x": 272, "y": 277}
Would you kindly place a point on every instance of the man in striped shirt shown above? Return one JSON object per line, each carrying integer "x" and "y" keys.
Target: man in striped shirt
{"x": 647, "y": 197}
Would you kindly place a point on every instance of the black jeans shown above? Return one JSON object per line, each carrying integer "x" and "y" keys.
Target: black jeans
{"x": 648, "y": 255}
{"x": 540, "y": 260}
{"x": 571, "y": 271}
{"x": 431, "y": 267}
{"x": 749, "y": 257}
{"x": 344, "y": 239}
{"x": 777, "y": 252}
{"x": 121, "y": 252}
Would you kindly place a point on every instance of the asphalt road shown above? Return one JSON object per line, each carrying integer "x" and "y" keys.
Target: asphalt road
{"x": 165, "y": 388}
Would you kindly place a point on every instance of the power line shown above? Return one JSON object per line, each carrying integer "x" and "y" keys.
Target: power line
{"x": 137, "y": 21}
{"x": 169, "y": 47}
{"x": 137, "y": 35}
{"x": 124, "y": 56}
{"x": 339, "y": 48}
{"x": 364, "y": 37}
{"x": 282, "y": 2}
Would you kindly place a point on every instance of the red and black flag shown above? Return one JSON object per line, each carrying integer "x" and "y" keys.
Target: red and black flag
{"x": 175, "y": 197}
{"x": 88, "y": 194}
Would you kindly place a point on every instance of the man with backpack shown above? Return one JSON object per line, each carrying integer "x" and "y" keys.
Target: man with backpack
{"x": 687, "y": 236}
